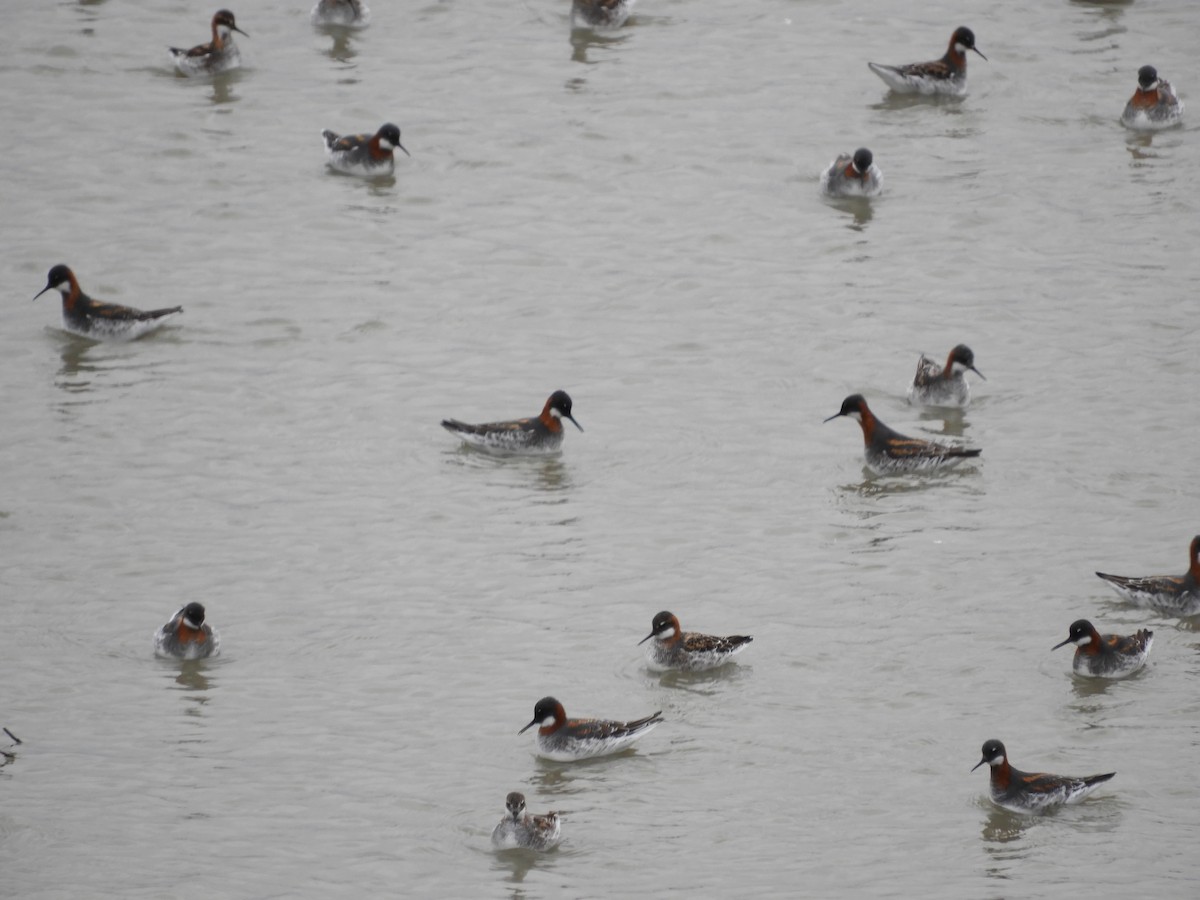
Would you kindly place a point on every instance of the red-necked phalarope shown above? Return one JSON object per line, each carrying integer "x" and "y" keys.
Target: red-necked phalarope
{"x": 853, "y": 175}
{"x": 187, "y": 635}
{"x": 1109, "y": 655}
{"x": 1023, "y": 792}
{"x": 91, "y": 318}
{"x": 538, "y": 434}
{"x": 947, "y": 75}
{"x": 936, "y": 385}
{"x": 521, "y": 829}
{"x": 1170, "y": 594}
{"x": 563, "y": 739}
{"x": 364, "y": 154}
{"x": 674, "y": 648}
{"x": 218, "y": 55}
{"x": 600, "y": 14}
{"x": 888, "y": 452}
{"x": 1153, "y": 104}
{"x": 347, "y": 13}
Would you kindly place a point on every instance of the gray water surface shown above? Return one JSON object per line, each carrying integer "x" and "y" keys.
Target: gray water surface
{"x": 634, "y": 219}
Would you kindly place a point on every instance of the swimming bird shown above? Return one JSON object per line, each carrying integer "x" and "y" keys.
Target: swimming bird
{"x": 889, "y": 452}
{"x": 853, "y": 175}
{"x": 218, "y": 55}
{"x": 600, "y": 14}
{"x": 947, "y": 75}
{"x": 92, "y": 318}
{"x": 364, "y": 154}
{"x": 563, "y": 739}
{"x": 1109, "y": 655}
{"x": 187, "y": 635}
{"x": 1169, "y": 594}
{"x": 1023, "y": 792}
{"x": 674, "y": 648}
{"x": 537, "y": 434}
{"x": 936, "y": 385}
{"x": 7, "y": 756}
{"x": 1154, "y": 103}
{"x": 346, "y": 13}
{"x": 521, "y": 829}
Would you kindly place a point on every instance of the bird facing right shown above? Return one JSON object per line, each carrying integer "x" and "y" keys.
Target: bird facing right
{"x": 1173, "y": 595}
{"x": 947, "y": 385}
{"x": 947, "y": 75}
{"x": 532, "y": 436}
{"x": 365, "y": 155}
{"x": 218, "y": 55}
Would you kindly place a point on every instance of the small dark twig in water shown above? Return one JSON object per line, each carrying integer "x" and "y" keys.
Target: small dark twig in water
{"x": 16, "y": 740}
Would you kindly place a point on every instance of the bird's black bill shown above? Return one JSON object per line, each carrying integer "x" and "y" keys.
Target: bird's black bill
{"x": 527, "y": 727}
{"x": 646, "y": 638}
{"x": 573, "y": 422}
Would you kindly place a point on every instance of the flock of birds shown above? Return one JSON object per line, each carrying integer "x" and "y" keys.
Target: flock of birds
{"x": 187, "y": 635}
{"x": 1154, "y": 105}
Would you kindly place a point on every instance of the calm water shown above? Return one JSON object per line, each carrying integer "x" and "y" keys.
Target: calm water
{"x": 636, "y": 220}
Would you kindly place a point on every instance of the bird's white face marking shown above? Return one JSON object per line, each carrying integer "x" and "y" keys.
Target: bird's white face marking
{"x": 554, "y": 411}
{"x": 1082, "y": 640}
{"x": 386, "y": 144}
{"x": 667, "y": 634}
{"x": 960, "y": 47}
{"x": 548, "y": 720}
{"x": 223, "y": 32}
{"x": 856, "y": 416}
{"x": 63, "y": 286}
